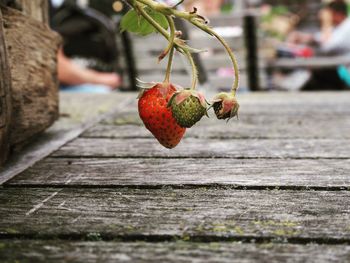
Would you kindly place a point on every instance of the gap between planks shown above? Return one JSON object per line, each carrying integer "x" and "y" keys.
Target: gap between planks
{"x": 186, "y": 186}
{"x": 135, "y": 238}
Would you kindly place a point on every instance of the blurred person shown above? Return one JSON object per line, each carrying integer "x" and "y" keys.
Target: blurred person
{"x": 337, "y": 41}
{"x": 335, "y": 27}
{"x": 332, "y": 40}
{"x": 78, "y": 79}
{"x": 74, "y": 78}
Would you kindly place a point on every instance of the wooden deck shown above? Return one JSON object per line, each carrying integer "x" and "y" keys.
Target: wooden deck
{"x": 271, "y": 187}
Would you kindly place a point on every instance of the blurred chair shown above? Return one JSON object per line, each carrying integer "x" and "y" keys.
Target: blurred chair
{"x": 92, "y": 36}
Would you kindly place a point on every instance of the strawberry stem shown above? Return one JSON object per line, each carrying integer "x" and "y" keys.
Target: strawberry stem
{"x": 170, "y": 62}
{"x": 181, "y": 47}
{"x": 185, "y": 51}
{"x": 197, "y": 21}
{"x": 194, "y": 69}
{"x": 171, "y": 44}
{"x": 170, "y": 48}
{"x": 178, "y": 43}
{"x": 230, "y": 53}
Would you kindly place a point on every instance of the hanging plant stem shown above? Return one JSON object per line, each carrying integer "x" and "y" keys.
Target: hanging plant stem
{"x": 170, "y": 49}
{"x": 199, "y": 22}
{"x": 177, "y": 43}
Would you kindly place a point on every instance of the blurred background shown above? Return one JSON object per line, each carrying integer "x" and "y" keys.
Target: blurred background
{"x": 280, "y": 45}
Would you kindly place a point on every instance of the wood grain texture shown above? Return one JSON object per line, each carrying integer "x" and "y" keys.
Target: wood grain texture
{"x": 78, "y": 113}
{"x": 5, "y": 97}
{"x": 32, "y": 49}
{"x": 204, "y": 148}
{"x": 86, "y": 252}
{"x": 274, "y": 126}
{"x": 290, "y": 174}
{"x": 163, "y": 214}
{"x": 329, "y": 108}
{"x": 296, "y": 117}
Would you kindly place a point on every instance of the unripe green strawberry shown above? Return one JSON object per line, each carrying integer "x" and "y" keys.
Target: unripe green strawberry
{"x": 225, "y": 106}
{"x": 188, "y": 107}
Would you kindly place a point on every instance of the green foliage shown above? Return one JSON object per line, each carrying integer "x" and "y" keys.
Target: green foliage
{"x": 280, "y": 10}
{"x": 135, "y": 23}
{"x": 276, "y": 11}
{"x": 227, "y": 8}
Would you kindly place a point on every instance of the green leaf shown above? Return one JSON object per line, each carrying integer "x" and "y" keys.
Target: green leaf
{"x": 135, "y": 23}
{"x": 158, "y": 17}
{"x": 130, "y": 21}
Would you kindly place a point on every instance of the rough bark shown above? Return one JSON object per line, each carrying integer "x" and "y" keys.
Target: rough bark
{"x": 37, "y": 9}
{"x": 32, "y": 49}
{"x": 5, "y": 96}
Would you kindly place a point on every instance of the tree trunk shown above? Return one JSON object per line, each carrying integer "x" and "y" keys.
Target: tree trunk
{"x": 29, "y": 71}
{"x": 5, "y": 97}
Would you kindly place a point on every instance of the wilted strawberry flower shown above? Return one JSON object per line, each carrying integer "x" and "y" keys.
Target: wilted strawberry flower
{"x": 225, "y": 106}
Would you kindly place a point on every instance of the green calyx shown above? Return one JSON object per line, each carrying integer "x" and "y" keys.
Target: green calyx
{"x": 188, "y": 107}
{"x": 225, "y": 106}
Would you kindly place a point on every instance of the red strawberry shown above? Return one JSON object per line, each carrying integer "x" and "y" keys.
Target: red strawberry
{"x": 157, "y": 117}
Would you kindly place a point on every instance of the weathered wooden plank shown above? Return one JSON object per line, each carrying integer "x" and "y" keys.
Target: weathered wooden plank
{"x": 78, "y": 113}
{"x": 192, "y": 214}
{"x": 307, "y": 100}
{"x": 86, "y": 252}
{"x": 292, "y": 174}
{"x": 330, "y": 102}
{"x": 204, "y": 148}
{"x": 258, "y": 119}
{"x": 330, "y": 105}
{"x": 297, "y": 111}
{"x": 248, "y": 126}
{"x": 328, "y": 99}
